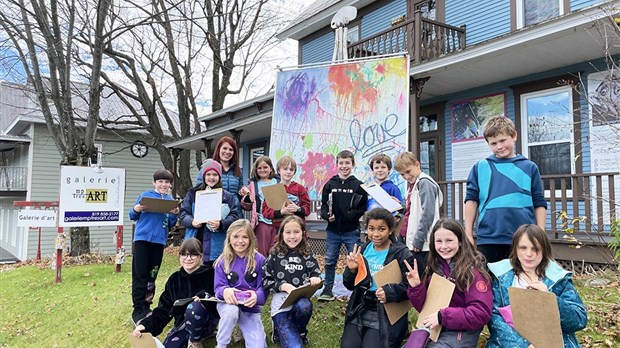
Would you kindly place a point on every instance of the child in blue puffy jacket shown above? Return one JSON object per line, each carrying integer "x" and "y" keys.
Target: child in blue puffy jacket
{"x": 530, "y": 266}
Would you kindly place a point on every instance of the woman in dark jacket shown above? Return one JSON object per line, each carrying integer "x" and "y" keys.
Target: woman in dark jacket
{"x": 366, "y": 319}
{"x": 193, "y": 321}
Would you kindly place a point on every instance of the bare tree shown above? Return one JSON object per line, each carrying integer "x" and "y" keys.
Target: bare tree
{"x": 167, "y": 49}
{"x": 42, "y": 33}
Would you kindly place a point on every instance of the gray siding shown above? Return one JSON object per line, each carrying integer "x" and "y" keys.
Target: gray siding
{"x": 46, "y": 183}
{"x": 318, "y": 50}
{"x": 379, "y": 19}
{"x": 485, "y": 19}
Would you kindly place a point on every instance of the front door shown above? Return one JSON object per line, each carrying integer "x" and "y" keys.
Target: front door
{"x": 431, "y": 142}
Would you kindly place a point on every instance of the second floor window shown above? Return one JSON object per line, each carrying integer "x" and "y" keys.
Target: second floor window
{"x": 530, "y": 12}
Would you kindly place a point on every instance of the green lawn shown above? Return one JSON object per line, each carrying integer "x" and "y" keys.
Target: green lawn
{"x": 92, "y": 307}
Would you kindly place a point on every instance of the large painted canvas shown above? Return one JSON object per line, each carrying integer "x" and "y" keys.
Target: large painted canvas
{"x": 318, "y": 111}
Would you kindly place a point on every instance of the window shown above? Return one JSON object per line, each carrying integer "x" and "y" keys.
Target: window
{"x": 529, "y": 12}
{"x": 95, "y": 158}
{"x": 353, "y": 34}
{"x": 427, "y": 7}
{"x": 547, "y": 131}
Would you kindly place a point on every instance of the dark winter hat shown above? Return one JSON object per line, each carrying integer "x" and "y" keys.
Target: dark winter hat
{"x": 163, "y": 174}
{"x": 208, "y": 165}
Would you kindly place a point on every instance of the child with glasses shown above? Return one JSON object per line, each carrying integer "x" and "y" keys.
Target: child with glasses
{"x": 194, "y": 321}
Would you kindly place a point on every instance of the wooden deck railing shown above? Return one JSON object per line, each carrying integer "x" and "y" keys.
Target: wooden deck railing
{"x": 580, "y": 205}
{"x": 424, "y": 39}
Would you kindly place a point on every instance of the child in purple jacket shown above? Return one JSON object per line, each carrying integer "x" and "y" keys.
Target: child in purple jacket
{"x": 238, "y": 281}
{"x": 454, "y": 257}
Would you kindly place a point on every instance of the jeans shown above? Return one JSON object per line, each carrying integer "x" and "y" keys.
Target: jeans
{"x": 291, "y": 324}
{"x": 334, "y": 241}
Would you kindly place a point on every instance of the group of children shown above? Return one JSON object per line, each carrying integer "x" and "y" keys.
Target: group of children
{"x": 240, "y": 261}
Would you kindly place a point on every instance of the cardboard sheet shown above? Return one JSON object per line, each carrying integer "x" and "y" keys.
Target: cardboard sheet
{"x": 390, "y": 274}
{"x": 303, "y": 291}
{"x": 536, "y": 317}
{"x": 275, "y": 196}
{"x": 382, "y": 197}
{"x": 208, "y": 205}
{"x": 144, "y": 341}
{"x": 157, "y": 205}
{"x": 438, "y": 296}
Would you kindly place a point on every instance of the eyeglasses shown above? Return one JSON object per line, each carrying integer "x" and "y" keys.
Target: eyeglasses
{"x": 189, "y": 256}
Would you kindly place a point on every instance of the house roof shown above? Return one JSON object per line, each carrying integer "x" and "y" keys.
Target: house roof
{"x": 19, "y": 108}
{"x": 8, "y": 142}
{"x": 316, "y": 16}
{"x": 253, "y": 116}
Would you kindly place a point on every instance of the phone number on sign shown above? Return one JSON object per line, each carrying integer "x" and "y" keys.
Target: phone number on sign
{"x": 77, "y": 216}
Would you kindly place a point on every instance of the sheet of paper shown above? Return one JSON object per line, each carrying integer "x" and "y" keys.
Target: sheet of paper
{"x": 542, "y": 329}
{"x": 438, "y": 296}
{"x": 362, "y": 271}
{"x": 390, "y": 274}
{"x": 302, "y": 291}
{"x": 382, "y": 197}
{"x": 157, "y": 205}
{"x": 275, "y": 196}
{"x": 144, "y": 341}
{"x": 208, "y": 205}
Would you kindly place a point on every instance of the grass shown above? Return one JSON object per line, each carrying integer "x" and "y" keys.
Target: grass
{"x": 92, "y": 308}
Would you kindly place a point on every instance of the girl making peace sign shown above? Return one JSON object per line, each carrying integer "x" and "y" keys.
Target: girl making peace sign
{"x": 366, "y": 322}
{"x": 454, "y": 257}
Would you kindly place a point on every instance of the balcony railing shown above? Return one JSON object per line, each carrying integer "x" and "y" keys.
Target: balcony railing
{"x": 13, "y": 178}
{"x": 582, "y": 206}
{"x": 424, "y": 39}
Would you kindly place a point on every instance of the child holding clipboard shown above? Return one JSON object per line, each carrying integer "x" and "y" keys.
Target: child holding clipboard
{"x": 530, "y": 266}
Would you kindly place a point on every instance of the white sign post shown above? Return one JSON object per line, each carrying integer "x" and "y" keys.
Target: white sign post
{"x": 91, "y": 198}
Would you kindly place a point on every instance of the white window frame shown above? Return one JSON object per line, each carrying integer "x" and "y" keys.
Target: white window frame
{"x": 520, "y": 9}
{"x": 525, "y": 144}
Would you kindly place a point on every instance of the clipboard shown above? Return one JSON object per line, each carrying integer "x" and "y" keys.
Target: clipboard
{"x": 144, "y": 341}
{"x": 208, "y": 205}
{"x": 158, "y": 205}
{"x": 542, "y": 329}
{"x": 390, "y": 274}
{"x": 382, "y": 197}
{"x": 438, "y": 296}
{"x": 275, "y": 196}
{"x": 303, "y": 291}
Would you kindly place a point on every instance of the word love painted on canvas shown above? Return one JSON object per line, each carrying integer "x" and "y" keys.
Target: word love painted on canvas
{"x": 375, "y": 138}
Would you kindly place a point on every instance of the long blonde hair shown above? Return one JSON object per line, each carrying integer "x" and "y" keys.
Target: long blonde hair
{"x": 228, "y": 254}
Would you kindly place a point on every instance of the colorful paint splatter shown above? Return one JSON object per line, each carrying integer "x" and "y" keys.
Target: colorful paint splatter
{"x": 361, "y": 106}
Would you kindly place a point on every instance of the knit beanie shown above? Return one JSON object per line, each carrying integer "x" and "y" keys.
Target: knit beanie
{"x": 208, "y": 165}
{"x": 163, "y": 174}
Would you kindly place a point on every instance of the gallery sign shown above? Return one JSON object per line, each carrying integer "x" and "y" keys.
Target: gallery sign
{"x": 91, "y": 196}
{"x": 36, "y": 218}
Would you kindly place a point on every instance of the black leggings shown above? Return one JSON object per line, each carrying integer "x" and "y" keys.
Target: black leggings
{"x": 495, "y": 252}
{"x": 145, "y": 264}
{"x": 351, "y": 338}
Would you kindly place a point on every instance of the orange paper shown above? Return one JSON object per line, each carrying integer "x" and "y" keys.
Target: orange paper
{"x": 362, "y": 272}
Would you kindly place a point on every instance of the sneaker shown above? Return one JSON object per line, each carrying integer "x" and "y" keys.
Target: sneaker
{"x": 137, "y": 317}
{"x": 304, "y": 338}
{"x": 237, "y": 335}
{"x": 192, "y": 344}
{"x": 327, "y": 295}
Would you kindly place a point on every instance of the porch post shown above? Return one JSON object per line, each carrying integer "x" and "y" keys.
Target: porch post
{"x": 207, "y": 143}
{"x": 236, "y": 134}
{"x": 415, "y": 91}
